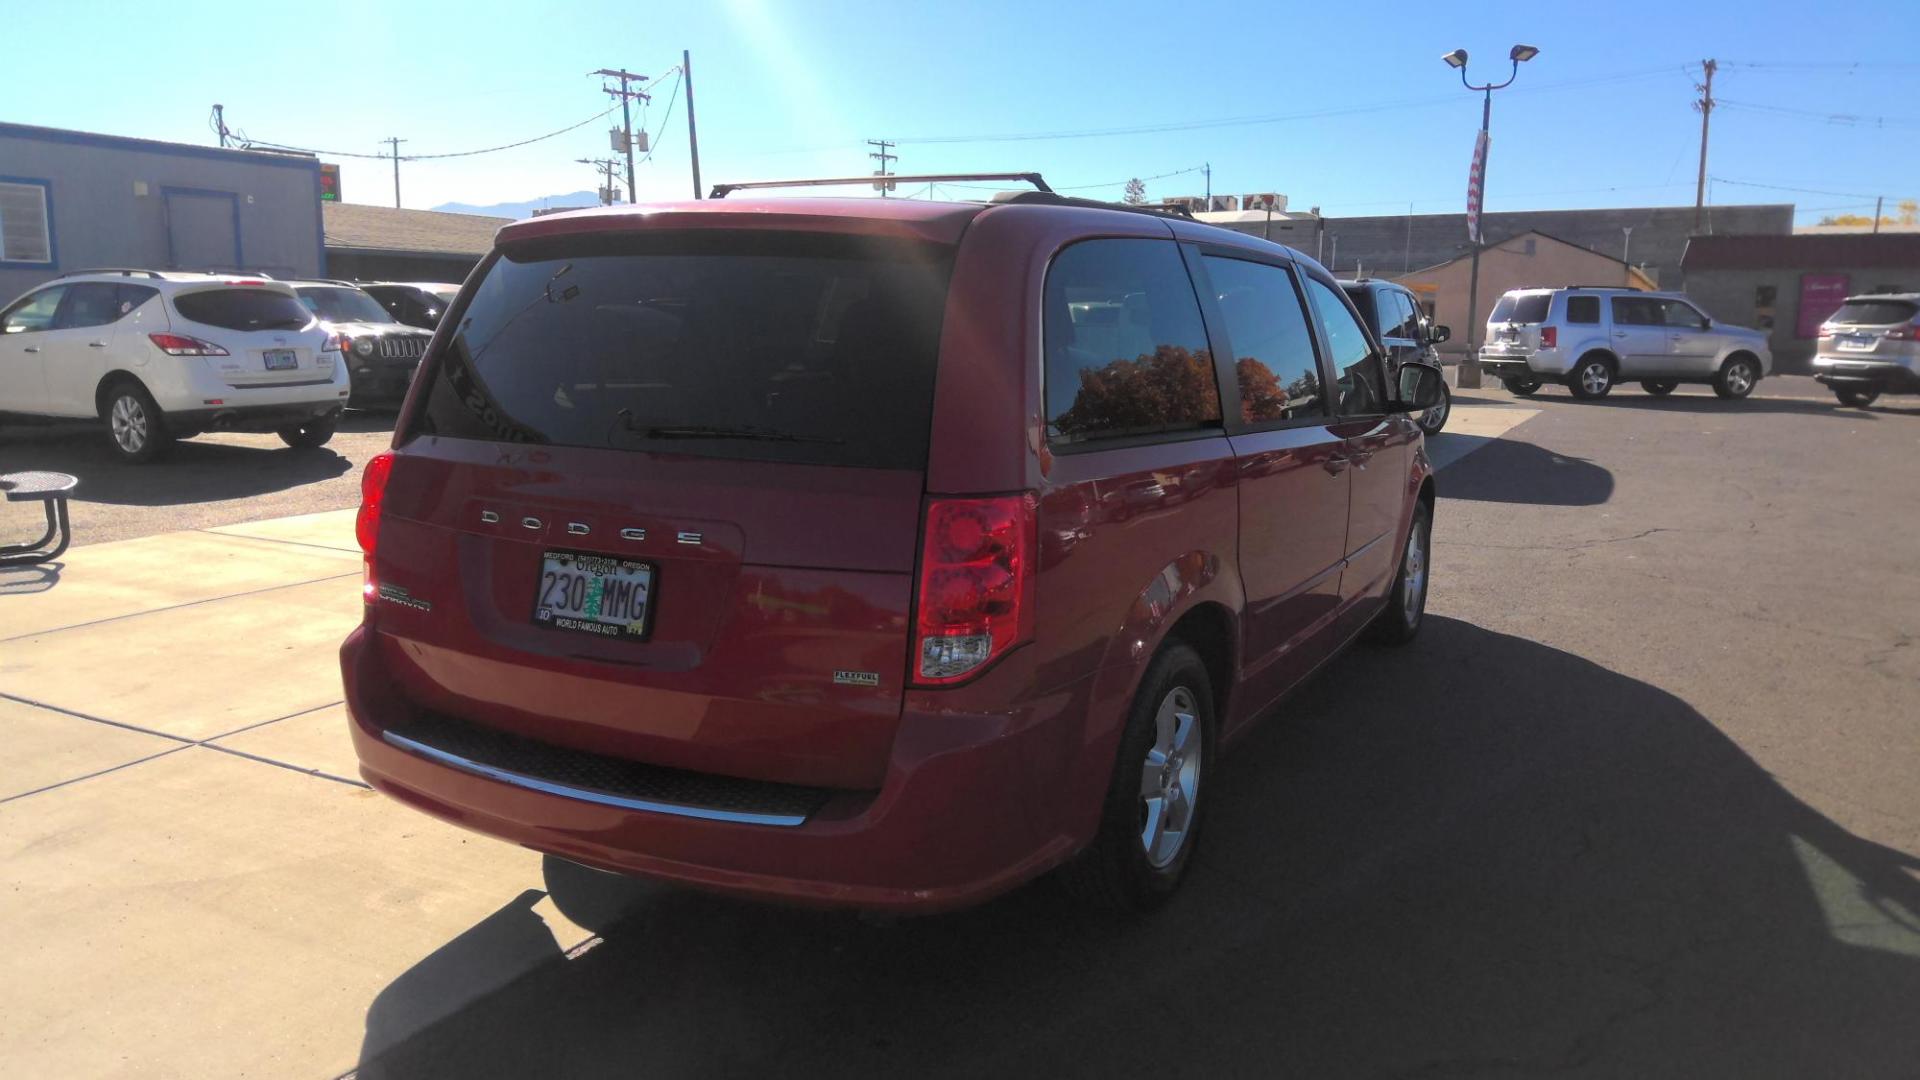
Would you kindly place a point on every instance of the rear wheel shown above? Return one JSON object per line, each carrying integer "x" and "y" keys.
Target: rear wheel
{"x": 1150, "y": 822}
{"x": 1858, "y": 399}
{"x": 136, "y": 428}
{"x": 1658, "y": 387}
{"x": 1435, "y": 418}
{"x": 1592, "y": 378}
{"x": 1406, "y": 608}
{"x": 1521, "y": 387}
{"x": 308, "y": 434}
{"x": 1737, "y": 377}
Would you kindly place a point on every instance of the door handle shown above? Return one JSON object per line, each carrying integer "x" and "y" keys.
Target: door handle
{"x": 31, "y": 348}
{"x": 96, "y": 344}
{"x": 1619, "y": 333}
{"x": 1335, "y": 465}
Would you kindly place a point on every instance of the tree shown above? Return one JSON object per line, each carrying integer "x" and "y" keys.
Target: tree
{"x": 1846, "y": 219}
{"x": 1909, "y": 212}
{"x": 1167, "y": 386}
{"x": 1136, "y": 193}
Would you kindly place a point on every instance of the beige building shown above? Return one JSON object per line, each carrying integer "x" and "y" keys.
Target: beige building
{"x": 1529, "y": 260}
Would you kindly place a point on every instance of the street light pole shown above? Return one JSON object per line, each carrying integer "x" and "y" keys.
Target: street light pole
{"x": 1626, "y": 246}
{"x": 1470, "y": 366}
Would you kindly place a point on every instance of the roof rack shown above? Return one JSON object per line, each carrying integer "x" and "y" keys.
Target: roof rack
{"x": 1052, "y": 198}
{"x": 721, "y": 191}
{"x": 122, "y": 270}
{"x": 1603, "y": 288}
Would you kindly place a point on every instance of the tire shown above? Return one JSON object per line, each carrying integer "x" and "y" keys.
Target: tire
{"x": 1435, "y": 418}
{"x": 1169, "y": 735}
{"x": 136, "y": 428}
{"x": 1658, "y": 387}
{"x": 1737, "y": 378}
{"x": 1399, "y": 622}
{"x": 1858, "y": 399}
{"x": 1591, "y": 378}
{"x": 309, "y": 434}
{"x": 1521, "y": 387}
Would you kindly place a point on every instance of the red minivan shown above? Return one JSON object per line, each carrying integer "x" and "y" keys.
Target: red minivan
{"x": 880, "y": 553}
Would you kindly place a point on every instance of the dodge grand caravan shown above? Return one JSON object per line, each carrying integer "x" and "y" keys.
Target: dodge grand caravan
{"x": 874, "y": 553}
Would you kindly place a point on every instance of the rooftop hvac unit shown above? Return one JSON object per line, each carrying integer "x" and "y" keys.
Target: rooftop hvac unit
{"x": 1224, "y": 202}
{"x": 1191, "y": 203}
{"x": 1264, "y": 200}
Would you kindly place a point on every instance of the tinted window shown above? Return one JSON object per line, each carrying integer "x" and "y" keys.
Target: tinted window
{"x": 1272, "y": 345}
{"x": 1126, "y": 351}
{"x": 1362, "y": 383}
{"x": 34, "y": 312}
{"x": 1583, "y": 310}
{"x": 1874, "y": 312}
{"x": 1521, "y": 308}
{"x": 1680, "y": 314}
{"x": 89, "y": 303}
{"x": 1637, "y": 311}
{"x": 758, "y": 346}
{"x": 1409, "y": 325}
{"x": 337, "y": 303}
{"x": 243, "y": 309}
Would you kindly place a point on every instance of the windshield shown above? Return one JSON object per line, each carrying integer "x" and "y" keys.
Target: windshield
{"x": 445, "y": 296}
{"x": 1521, "y": 308}
{"x": 773, "y": 347}
{"x": 339, "y": 304}
{"x": 1874, "y": 312}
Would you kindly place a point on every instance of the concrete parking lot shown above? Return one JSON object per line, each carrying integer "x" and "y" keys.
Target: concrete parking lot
{"x": 1644, "y": 799}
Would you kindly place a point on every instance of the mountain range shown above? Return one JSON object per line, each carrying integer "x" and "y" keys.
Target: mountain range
{"x": 571, "y": 200}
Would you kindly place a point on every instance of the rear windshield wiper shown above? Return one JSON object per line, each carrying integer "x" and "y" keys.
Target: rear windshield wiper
{"x": 758, "y": 434}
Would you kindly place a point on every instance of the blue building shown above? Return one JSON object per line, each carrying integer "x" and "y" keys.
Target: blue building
{"x": 72, "y": 200}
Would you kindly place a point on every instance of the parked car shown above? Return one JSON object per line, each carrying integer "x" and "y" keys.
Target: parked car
{"x": 1393, "y": 314}
{"x": 875, "y": 553}
{"x": 164, "y": 356}
{"x": 416, "y": 303}
{"x": 1871, "y": 346}
{"x": 1591, "y": 337}
{"x": 381, "y": 351}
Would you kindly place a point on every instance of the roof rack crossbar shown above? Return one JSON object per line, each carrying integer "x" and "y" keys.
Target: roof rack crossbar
{"x": 721, "y": 191}
{"x": 123, "y": 270}
{"x": 1615, "y": 288}
{"x": 1055, "y": 199}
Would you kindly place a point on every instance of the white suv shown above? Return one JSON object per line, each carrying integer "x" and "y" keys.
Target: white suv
{"x": 165, "y": 356}
{"x": 1591, "y": 337}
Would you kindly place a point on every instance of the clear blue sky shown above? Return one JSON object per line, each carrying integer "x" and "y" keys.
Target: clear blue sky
{"x": 1600, "y": 118}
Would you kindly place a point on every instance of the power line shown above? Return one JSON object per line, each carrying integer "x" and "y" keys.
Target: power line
{"x": 252, "y": 142}
{"x": 1844, "y": 119}
{"x": 1801, "y": 190}
{"x": 653, "y": 142}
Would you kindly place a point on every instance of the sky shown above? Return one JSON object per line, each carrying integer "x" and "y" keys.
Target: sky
{"x": 1347, "y": 107}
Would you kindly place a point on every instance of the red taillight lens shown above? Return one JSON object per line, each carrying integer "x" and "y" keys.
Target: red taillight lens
{"x": 339, "y": 343}
{"x": 976, "y": 585}
{"x": 1904, "y": 333}
{"x": 1549, "y": 337}
{"x": 182, "y": 345}
{"x": 373, "y": 488}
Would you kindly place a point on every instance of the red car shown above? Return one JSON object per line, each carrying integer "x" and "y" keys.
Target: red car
{"x": 880, "y": 553}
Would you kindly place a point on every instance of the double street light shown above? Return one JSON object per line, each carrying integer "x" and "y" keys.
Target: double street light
{"x": 1457, "y": 59}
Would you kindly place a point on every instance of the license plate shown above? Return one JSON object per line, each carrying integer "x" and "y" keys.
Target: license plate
{"x": 1858, "y": 344}
{"x": 594, "y": 594}
{"x": 282, "y": 359}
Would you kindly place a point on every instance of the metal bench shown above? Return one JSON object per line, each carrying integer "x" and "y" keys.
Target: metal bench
{"x": 50, "y": 489}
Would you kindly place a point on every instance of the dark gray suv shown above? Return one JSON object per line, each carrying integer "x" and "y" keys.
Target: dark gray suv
{"x": 1394, "y": 315}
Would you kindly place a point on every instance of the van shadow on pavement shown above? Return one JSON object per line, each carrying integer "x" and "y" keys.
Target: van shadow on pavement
{"x": 1511, "y": 471}
{"x": 1477, "y": 855}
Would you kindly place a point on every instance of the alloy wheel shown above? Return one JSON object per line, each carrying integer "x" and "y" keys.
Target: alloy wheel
{"x": 1170, "y": 778}
{"x": 129, "y": 420}
{"x": 1595, "y": 378}
{"x": 1739, "y": 378}
{"x": 1433, "y": 419}
{"x": 1414, "y": 570}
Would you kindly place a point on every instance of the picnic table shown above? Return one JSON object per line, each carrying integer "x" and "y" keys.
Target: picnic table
{"x": 50, "y": 489}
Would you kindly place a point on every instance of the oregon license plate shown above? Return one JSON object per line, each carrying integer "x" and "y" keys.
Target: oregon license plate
{"x": 282, "y": 359}
{"x": 594, "y": 594}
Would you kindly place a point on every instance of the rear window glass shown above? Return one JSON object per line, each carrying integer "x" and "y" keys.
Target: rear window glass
{"x": 1126, "y": 348}
{"x": 1583, "y": 310}
{"x": 336, "y": 303}
{"x": 1521, "y": 308}
{"x": 756, "y": 346}
{"x": 1874, "y": 312}
{"x": 243, "y": 309}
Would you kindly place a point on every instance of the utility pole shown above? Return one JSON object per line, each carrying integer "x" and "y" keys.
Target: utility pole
{"x": 693, "y": 133}
{"x": 626, "y": 97}
{"x": 1626, "y": 246}
{"x": 395, "y": 143}
{"x": 1878, "y": 202}
{"x": 220, "y": 122}
{"x": 607, "y": 167}
{"x": 883, "y": 156}
{"x": 1207, "y": 168}
{"x": 1705, "y": 105}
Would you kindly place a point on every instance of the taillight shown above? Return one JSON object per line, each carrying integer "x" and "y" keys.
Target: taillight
{"x": 366, "y": 526}
{"x": 1908, "y": 332}
{"x": 339, "y": 343}
{"x": 976, "y": 585}
{"x": 1549, "y": 337}
{"x": 182, "y": 345}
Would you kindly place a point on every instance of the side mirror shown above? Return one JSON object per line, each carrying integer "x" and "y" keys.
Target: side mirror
{"x": 1420, "y": 386}
{"x": 1440, "y": 334}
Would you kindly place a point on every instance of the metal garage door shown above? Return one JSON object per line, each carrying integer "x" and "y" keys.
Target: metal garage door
{"x": 203, "y": 229}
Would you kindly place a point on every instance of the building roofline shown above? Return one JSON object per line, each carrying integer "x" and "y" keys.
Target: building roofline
{"x": 285, "y": 159}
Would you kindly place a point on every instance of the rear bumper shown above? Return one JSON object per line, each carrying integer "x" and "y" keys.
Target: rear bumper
{"x": 971, "y": 805}
{"x": 254, "y": 418}
{"x": 1866, "y": 375}
{"x": 1513, "y": 367}
{"x": 384, "y": 381}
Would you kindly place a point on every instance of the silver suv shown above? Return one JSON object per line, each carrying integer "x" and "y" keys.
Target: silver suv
{"x": 1871, "y": 346}
{"x": 1590, "y": 337}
